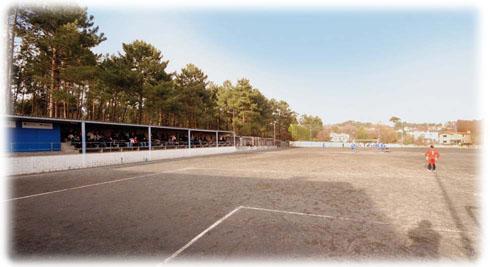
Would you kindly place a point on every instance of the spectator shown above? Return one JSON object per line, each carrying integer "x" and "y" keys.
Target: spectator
{"x": 90, "y": 136}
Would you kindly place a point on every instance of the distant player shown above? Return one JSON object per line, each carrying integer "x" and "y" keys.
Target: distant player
{"x": 384, "y": 148}
{"x": 432, "y": 155}
{"x": 353, "y": 147}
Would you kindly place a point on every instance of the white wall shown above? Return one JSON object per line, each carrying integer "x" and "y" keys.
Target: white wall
{"x": 318, "y": 144}
{"x": 331, "y": 144}
{"x": 36, "y": 164}
{"x": 347, "y": 145}
{"x": 338, "y": 145}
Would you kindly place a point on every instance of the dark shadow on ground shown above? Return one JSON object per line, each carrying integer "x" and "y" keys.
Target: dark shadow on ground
{"x": 466, "y": 242}
{"x": 471, "y": 212}
{"x": 425, "y": 241}
{"x": 151, "y": 218}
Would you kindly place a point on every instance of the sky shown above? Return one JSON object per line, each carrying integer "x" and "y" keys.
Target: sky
{"x": 338, "y": 64}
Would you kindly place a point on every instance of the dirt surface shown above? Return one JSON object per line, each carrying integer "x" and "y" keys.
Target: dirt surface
{"x": 295, "y": 204}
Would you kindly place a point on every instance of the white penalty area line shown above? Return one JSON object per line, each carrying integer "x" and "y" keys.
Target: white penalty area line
{"x": 441, "y": 229}
{"x": 197, "y": 237}
{"x": 95, "y": 184}
{"x": 315, "y": 215}
{"x": 176, "y": 253}
{"x": 192, "y": 241}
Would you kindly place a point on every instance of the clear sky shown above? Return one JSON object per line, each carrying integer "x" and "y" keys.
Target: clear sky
{"x": 339, "y": 64}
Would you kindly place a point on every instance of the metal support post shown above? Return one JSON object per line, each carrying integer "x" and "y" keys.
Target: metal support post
{"x": 274, "y": 134}
{"x": 149, "y": 137}
{"x": 83, "y": 139}
{"x": 189, "y": 137}
{"x": 149, "y": 142}
{"x": 217, "y": 141}
{"x": 84, "y": 145}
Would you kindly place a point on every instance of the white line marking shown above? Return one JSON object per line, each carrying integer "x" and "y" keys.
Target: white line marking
{"x": 436, "y": 227}
{"x": 46, "y": 173}
{"x": 201, "y": 234}
{"x": 96, "y": 184}
{"x": 314, "y": 215}
{"x": 175, "y": 254}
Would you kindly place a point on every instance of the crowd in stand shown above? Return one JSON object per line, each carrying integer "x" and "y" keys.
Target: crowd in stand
{"x": 113, "y": 138}
{"x": 108, "y": 138}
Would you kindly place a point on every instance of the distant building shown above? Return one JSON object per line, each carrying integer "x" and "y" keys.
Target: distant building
{"x": 339, "y": 137}
{"x": 455, "y": 138}
{"x": 428, "y": 136}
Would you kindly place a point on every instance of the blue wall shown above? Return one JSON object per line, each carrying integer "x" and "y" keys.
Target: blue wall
{"x": 32, "y": 140}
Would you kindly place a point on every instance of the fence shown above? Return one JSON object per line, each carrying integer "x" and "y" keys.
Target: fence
{"x": 34, "y": 147}
{"x": 254, "y": 141}
{"x": 122, "y": 146}
{"x": 318, "y": 144}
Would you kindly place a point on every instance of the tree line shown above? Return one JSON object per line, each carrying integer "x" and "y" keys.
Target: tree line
{"x": 54, "y": 73}
{"x": 308, "y": 128}
{"x": 400, "y": 131}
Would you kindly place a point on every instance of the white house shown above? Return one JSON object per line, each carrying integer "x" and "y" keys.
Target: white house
{"x": 454, "y": 138}
{"x": 339, "y": 137}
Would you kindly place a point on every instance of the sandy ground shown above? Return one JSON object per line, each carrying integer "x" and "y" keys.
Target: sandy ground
{"x": 295, "y": 204}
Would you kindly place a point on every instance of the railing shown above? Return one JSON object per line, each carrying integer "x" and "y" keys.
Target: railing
{"x": 252, "y": 141}
{"x": 34, "y": 146}
{"x": 124, "y": 145}
{"x": 119, "y": 146}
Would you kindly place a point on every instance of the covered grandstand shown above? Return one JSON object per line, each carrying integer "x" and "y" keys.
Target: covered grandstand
{"x": 37, "y": 134}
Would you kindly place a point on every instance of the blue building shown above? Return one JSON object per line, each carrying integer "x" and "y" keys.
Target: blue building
{"x": 31, "y": 136}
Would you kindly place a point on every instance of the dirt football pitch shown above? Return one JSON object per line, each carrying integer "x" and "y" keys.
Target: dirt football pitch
{"x": 293, "y": 204}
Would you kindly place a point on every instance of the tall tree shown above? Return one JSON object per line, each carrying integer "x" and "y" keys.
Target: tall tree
{"x": 282, "y": 116}
{"x": 191, "y": 85}
{"x": 396, "y": 121}
{"x": 61, "y": 37}
{"x": 110, "y": 98}
{"x": 313, "y": 123}
{"x": 227, "y": 105}
{"x": 12, "y": 26}
{"x": 145, "y": 64}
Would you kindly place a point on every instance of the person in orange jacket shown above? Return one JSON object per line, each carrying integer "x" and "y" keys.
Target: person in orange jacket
{"x": 432, "y": 155}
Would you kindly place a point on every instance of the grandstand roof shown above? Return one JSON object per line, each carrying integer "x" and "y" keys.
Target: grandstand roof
{"x": 18, "y": 117}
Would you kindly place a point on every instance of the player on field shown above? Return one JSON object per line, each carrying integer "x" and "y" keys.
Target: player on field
{"x": 432, "y": 155}
{"x": 353, "y": 147}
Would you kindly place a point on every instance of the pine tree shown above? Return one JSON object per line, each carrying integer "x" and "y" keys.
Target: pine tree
{"x": 60, "y": 38}
{"x": 147, "y": 68}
